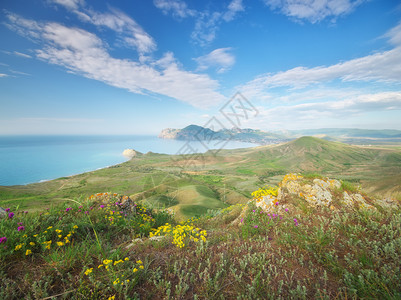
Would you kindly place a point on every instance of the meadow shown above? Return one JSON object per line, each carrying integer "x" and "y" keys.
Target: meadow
{"x": 195, "y": 230}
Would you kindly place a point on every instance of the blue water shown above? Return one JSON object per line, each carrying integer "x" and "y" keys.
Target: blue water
{"x": 29, "y": 159}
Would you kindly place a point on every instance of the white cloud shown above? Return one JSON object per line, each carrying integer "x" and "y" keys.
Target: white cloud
{"x": 314, "y": 10}
{"x": 307, "y": 115}
{"x": 178, "y": 9}
{"x": 3, "y": 75}
{"x": 22, "y": 54}
{"x": 69, "y": 4}
{"x": 220, "y": 58}
{"x": 129, "y": 30}
{"x": 233, "y": 8}
{"x": 384, "y": 66}
{"x": 207, "y": 22}
{"x": 85, "y": 54}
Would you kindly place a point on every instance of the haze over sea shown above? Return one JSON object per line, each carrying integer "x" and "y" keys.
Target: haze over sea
{"x": 29, "y": 159}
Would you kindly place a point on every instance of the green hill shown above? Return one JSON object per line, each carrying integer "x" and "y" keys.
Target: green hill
{"x": 232, "y": 174}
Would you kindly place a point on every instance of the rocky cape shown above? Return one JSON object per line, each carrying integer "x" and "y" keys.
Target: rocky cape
{"x": 199, "y": 133}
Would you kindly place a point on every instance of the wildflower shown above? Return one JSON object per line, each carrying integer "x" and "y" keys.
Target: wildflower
{"x": 139, "y": 262}
{"x": 117, "y": 281}
{"x": 80, "y": 206}
{"x": 58, "y": 230}
{"x": 18, "y": 247}
{"x": 11, "y": 215}
{"x": 286, "y": 209}
{"x": 28, "y": 252}
{"x": 50, "y": 227}
{"x": 68, "y": 209}
{"x": 32, "y": 243}
{"x": 135, "y": 270}
{"x": 102, "y": 206}
{"x": 86, "y": 212}
{"x": 253, "y": 210}
{"x": 3, "y": 239}
{"x": 112, "y": 297}
{"x": 20, "y": 223}
{"x": 126, "y": 259}
{"x": 21, "y": 228}
{"x": 99, "y": 266}
{"x": 256, "y": 226}
{"x": 7, "y": 209}
{"x": 141, "y": 267}
{"x": 276, "y": 203}
{"x": 60, "y": 244}
{"x": 242, "y": 220}
{"x": 296, "y": 222}
{"x": 25, "y": 212}
{"x": 87, "y": 272}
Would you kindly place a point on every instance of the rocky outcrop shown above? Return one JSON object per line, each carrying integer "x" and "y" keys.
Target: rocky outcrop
{"x": 318, "y": 192}
{"x": 130, "y": 153}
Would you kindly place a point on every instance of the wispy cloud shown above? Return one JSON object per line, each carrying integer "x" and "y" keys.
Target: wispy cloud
{"x": 131, "y": 33}
{"x": 3, "y": 75}
{"x": 221, "y": 59}
{"x": 177, "y": 8}
{"x": 22, "y": 54}
{"x": 382, "y": 66}
{"x": 314, "y": 10}
{"x": 84, "y": 53}
{"x": 305, "y": 115}
{"x": 207, "y": 22}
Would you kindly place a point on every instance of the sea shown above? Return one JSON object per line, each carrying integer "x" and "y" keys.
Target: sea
{"x": 31, "y": 159}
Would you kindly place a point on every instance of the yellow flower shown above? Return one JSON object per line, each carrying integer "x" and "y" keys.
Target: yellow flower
{"x": 58, "y": 230}
{"x": 139, "y": 262}
{"x": 60, "y": 236}
{"x": 75, "y": 226}
{"x": 117, "y": 281}
{"x": 126, "y": 259}
{"x": 135, "y": 270}
{"x": 28, "y": 252}
{"x": 99, "y": 266}
{"x": 112, "y": 298}
{"x": 60, "y": 244}
{"x": 35, "y": 235}
{"x": 32, "y": 243}
{"x": 18, "y": 247}
{"x": 87, "y": 272}
{"x": 50, "y": 227}
{"x": 107, "y": 261}
{"x": 140, "y": 267}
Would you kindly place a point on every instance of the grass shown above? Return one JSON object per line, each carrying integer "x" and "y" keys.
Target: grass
{"x": 237, "y": 252}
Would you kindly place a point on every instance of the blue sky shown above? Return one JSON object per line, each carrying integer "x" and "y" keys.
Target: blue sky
{"x": 136, "y": 67}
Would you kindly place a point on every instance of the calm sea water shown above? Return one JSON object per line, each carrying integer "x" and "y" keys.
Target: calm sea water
{"x": 29, "y": 159}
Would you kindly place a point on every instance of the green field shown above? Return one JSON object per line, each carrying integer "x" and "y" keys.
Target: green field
{"x": 216, "y": 181}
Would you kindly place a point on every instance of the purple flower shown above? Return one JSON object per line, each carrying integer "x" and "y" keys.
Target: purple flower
{"x": 269, "y": 238}
{"x": 117, "y": 203}
{"x": 253, "y": 210}
{"x": 7, "y": 209}
{"x": 11, "y": 215}
{"x": 25, "y": 212}
{"x": 276, "y": 203}
{"x": 80, "y": 206}
{"x": 102, "y": 206}
{"x": 256, "y": 226}
{"x": 3, "y": 239}
{"x": 87, "y": 212}
{"x": 286, "y": 209}
{"x": 21, "y": 228}
{"x": 296, "y": 222}
{"x": 242, "y": 220}
{"x": 68, "y": 209}
{"x": 20, "y": 223}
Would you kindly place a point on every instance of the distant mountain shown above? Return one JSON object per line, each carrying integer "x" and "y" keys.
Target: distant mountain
{"x": 345, "y": 135}
{"x": 199, "y": 133}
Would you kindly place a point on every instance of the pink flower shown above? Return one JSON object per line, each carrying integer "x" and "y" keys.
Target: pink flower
{"x": 7, "y": 209}
{"x": 20, "y": 223}
{"x": 102, "y": 206}
{"x": 3, "y": 239}
{"x": 286, "y": 209}
{"x": 68, "y": 209}
{"x": 21, "y": 228}
{"x": 242, "y": 220}
{"x": 256, "y": 226}
{"x": 276, "y": 203}
{"x": 80, "y": 206}
{"x": 11, "y": 215}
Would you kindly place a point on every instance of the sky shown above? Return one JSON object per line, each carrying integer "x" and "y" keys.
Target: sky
{"x": 137, "y": 67}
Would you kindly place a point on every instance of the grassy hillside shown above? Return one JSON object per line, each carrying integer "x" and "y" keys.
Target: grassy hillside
{"x": 228, "y": 178}
{"x": 95, "y": 249}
